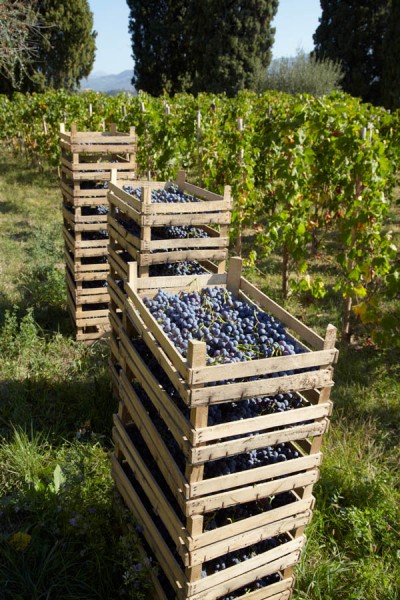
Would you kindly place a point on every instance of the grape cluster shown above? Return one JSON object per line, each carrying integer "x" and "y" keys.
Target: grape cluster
{"x": 232, "y": 330}
{"x": 250, "y": 460}
{"x": 180, "y": 232}
{"x": 86, "y": 285}
{"x": 226, "y": 516}
{"x": 93, "y": 260}
{"x": 170, "y": 194}
{"x": 95, "y": 235}
{"x": 253, "y": 407}
{"x": 91, "y": 211}
{"x": 178, "y": 268}
{"x": 238, "y": 556}
{"x": 94, "y": 185}
{"x": 256, "y": 585}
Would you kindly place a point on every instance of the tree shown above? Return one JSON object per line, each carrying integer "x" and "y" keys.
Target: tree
{"x": 63, "y": 44}
{"x": 391, "y": 65}
{"x": 352, "y": 32}
{"x": 302, "y": 74}
{"x": 17, "y": 24}
{"x": 159, "y": 45}
{"x": 211, "y": 46}
{"x": 232, "y": 42}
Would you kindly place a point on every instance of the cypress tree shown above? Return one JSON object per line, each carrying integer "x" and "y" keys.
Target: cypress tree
{"x": 159, "y": 45}
{"x": 212, "y": 45}
{"x": 232, "y": 43}
{"x": 63, "y": 46}
{"x": 391, "y": 65}
{"x": 352, "y": 33}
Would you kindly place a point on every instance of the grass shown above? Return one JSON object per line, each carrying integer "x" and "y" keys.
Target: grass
{"x": 63, "y": 531}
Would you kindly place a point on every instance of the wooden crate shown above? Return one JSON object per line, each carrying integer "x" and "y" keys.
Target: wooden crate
{"x": 90, "y": 321}
{"x": 208, "y": 209}
{"x": 186, "y": 421}
{"x": 190, "y": 379}
{"x": 277, "y": 560}
{"x": 195, "y": 547}
{"x": 86, "y": 268}
{"x": 86, "y": 163}
{"x": 87, "y": 159}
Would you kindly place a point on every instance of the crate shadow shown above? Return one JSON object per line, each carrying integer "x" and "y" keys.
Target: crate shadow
{"x": 63, "y": 410}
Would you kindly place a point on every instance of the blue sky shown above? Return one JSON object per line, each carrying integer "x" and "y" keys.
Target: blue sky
{"x": 295, "y": 23}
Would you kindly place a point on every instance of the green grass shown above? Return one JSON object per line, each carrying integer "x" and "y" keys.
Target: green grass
{"x": 63, "y": 529}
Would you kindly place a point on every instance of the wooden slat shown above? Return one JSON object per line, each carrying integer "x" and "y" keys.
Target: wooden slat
{"x": 195, "y": 190}
{"x": 244, "y": 571}
{"x": 156, "y": 220}
{"x": 166, "y": 407}
{"x": 158, "y": 500}
{"x": 109, "y": 147}
{"x": 186, "y": 282}
{"x": 262, "y": 422}
{"x": 183, "y": 255}
{"x": 263, "y": 366}
{"x": 173, "y": 208}
{"x": 280, "y": 590}
{"x": 84, "y": 137}
{"x": 158, "y": 546}
{"x": 252, "y": 442}
{"x": 255, "y": 522}
{"x": 248, "y": 538}
{"x": 156, "y": 446}
{"x": 256, "y": 475}
{"x": 188, "y": 243}
{"x": 261, "y": 387}
{"x": 122, "y": 164}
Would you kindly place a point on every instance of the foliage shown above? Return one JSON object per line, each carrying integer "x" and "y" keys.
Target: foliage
{"x": 18, "y": 21}
{"x": 63, "y": 532}
{"x": 64, "y": 47}
{"x": 231, "y": 42}
{"x": 353, "y": 34}
{"x": 160, "y": 45}
{"x": 212, "y": 46}
{"x": 302, "y": 74}
{"x": 391, "y": 64}
{"x": 302, "y": 170}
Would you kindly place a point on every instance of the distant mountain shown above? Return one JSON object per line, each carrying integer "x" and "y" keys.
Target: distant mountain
{"x": 100, "y": 82}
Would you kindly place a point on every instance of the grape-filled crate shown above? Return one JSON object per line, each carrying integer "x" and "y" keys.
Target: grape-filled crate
{"x": 168, "y": 228}
{"x": 86, "y": 163}
{"x": 224, "y": 401}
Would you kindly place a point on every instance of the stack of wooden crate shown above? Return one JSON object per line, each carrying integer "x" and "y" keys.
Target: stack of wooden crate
{"x": 250, "y": 521}
{"x": 132, "y": 221}
{"x": 86, "y": 162}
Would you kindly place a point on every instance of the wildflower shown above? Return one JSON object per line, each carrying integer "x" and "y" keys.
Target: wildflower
{"x": 20, "y": 541}
{"x": 73, "y": 522}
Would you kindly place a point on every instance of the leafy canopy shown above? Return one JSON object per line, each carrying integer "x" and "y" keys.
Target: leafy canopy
{"x": 62, "y": 47}
{"x": 210, "y": 46}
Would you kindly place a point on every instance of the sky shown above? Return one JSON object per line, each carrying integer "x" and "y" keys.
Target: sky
{"x": 295, "y": 23}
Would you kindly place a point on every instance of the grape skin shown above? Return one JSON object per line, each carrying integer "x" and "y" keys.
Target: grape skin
{"x": 232, "y": 330}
